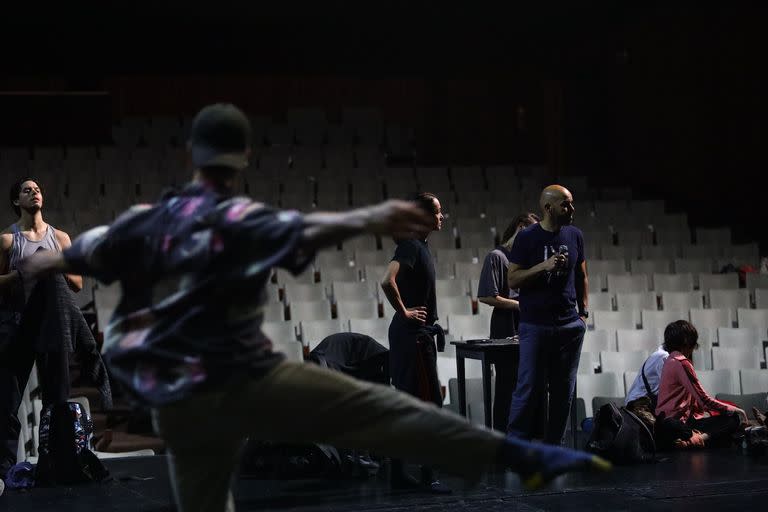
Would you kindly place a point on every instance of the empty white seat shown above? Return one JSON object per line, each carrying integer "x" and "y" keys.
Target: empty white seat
{"x": 738, "y": 337}
{"x": 620, "y": 252}
{"x": 650, "y": 266}
{"x": 454, "y": 255}
{"x": 620, "y": 362}
{"x": 612, "y": 320}
{"x": 589, "y": 386}
{"x": 331, "y": 258}
{"x": 663, "y": 251}
{"x": 635, "y": 237}
{"x": 719, "y": 281}
{"x": 285, "y": 277}
{"x": 736, "y": 358}
{"x": 632, "y": 340}
{"x": 349, "y": 291}
{"x": 451, "y": 287}
{"x": 713, "y": 236}
{"x": 602, "y": 301}
{"x": 282, "y": 332}
{"x": 274, "y": 312}
{"x": 702, "y": 356}
{"x": 302, "y": 292}
{"x": 660, "y": 319}
{"x": 603, "y": 267}
{"x": 468, "y": 327}
{"x": 731, "y": 299}
{"x": 315, "y": 331}
{"x": 596, "y": 282}
{"x": 681, "y": 301}
{"x": 466, "y": 270}
{"x": 672, "y": 282}
{"x": 363, "y": 258}
{"x": 374, "y": 273}
{"x": 454, "y": 306}
{"x": 629, "y": 378}
{"x": 757, "y": 281}
{"x": 711, "y": 318}
{"x": 368, "y": 308}
{"x": 761, "y": 298}
{"x": 715, "y": 382}
{"x": 376, "y": 328}
{"x": 310, "y": 310}
{"x": 700, "y": 251}
{"x": 587, "y": 363}
{"x": 636, "y": 302}
{"x": 756, "y": 318}
{"x": 694, "y": 265}
{"x": 598, "y": 341}
{"x": 293, "y": 350}
{"x": 340, "y": 274}
{"x": 742, "y": 253}
{"x": 618, "y": 283}
{"x": 754, "y": 381}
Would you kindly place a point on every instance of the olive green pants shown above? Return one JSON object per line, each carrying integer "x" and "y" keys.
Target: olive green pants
{"x": 305, "y": 403}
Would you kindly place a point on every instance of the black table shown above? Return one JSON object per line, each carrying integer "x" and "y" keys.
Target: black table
{"x": 488, "y": 352}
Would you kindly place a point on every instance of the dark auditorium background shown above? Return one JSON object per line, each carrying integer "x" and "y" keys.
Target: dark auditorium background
{"x": 671, "y": 101}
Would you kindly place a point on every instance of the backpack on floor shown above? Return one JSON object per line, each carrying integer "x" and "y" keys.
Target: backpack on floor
{"x": 65, "y": 456}
{"x": 621, "y": 437}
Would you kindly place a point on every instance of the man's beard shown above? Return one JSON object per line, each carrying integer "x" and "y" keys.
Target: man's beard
{"x": 565, "y": 219}
{"x": 32, "y": 209}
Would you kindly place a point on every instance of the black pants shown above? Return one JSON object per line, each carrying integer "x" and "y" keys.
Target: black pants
{"x": 504, "y": 324}
{"x": 719, "y": 428}
{"x": 413, "y": 367}
{"x": 15, "y": 366}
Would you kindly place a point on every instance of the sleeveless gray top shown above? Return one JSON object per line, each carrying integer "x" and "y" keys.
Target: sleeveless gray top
{"x": 23, "y": 247}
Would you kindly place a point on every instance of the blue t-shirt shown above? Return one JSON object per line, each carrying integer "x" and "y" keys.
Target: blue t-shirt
{"x": 550, "y": 298}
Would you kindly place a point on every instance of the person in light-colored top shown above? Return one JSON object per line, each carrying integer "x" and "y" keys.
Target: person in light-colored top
{"x": 641, "y": 400}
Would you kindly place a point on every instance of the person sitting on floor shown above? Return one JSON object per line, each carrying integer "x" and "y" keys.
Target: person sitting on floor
{"x": 687, "y": 416}
{"x": 644, "y": 393}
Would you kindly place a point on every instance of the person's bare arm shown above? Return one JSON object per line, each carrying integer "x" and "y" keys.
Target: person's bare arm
{"x": 518, "y": 277}
{"x": 582, "y": 288}
{"x": 500, "y": 302}
{"x": 75, "y": 282}
{"x": 7, "y": 279}
{"x": 398, "y": 218}
{"x": 389, "y": 285}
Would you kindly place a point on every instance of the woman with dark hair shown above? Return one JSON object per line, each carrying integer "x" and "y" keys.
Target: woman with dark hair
{"x": 493, "y": 289}
{"x": 687, "y": 415}
{"x": 409, "y": 285}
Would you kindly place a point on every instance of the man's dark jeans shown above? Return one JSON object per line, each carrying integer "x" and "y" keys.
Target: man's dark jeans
{"x": 549, "y": 359}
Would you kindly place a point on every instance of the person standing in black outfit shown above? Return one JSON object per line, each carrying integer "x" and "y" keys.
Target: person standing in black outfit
{"x": 409, "y": 285}
{"x": 494, "y": 291}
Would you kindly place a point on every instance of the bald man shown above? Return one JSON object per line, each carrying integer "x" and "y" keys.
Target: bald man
{"x": 547, "y": 264}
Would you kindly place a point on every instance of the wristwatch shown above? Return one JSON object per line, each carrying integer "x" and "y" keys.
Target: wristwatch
{"x": 584, "y": 313}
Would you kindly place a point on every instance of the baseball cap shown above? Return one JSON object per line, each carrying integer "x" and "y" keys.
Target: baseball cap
{"x": 220, "y": 136}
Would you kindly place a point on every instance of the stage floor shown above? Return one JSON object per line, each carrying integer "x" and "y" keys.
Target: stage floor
{"x": 700, "y": 481}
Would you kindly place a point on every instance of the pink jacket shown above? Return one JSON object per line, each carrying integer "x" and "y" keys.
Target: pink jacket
{"x": 681, "y": 395}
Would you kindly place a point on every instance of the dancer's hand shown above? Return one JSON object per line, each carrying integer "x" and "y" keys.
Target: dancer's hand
{"x": 41, "y": 264}
{"x": 418, "y": 314}
{"x": 398, "y": 218}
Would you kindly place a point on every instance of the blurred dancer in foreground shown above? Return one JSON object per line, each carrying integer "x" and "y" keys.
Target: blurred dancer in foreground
{"x": 201, "y": 361}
